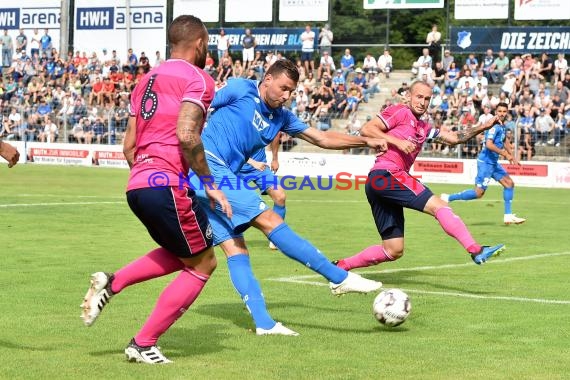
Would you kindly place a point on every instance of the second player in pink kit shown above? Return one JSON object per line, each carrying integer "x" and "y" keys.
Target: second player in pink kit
{"x": 390, "y": 188}
{"x": 168, "y": 109}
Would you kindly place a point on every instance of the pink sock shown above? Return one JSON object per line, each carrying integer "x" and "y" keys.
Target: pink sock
{"x": 156, "y": 263}
{"x": 172, "y": 303}
{"x": 372, "y": 255}
{"x": 454, "y": 226}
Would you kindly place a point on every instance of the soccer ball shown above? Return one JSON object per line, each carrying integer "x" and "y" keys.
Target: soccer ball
{"x": 391, "y": 307}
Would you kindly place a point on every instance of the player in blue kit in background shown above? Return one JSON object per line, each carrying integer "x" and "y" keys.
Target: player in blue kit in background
{"x": 257, "y": 170}
{"x": 246, "y": 116}
{"x": 488, "y": 167}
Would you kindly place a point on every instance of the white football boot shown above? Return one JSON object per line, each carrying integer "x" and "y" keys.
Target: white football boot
{"x": 98, "y": 295}
{"x": 513, "y": 219}
{"x": 355, "y": 284}
{"x": 278, "y": 329}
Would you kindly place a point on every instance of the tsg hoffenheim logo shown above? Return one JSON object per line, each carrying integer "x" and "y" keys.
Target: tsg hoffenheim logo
{"x": 258, "y": 121}
{"x": 464, "y": 39}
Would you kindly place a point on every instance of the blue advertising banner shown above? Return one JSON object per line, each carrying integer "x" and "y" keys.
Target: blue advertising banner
{"x": 281, "y": 39}
{"x": 552, "y": 39}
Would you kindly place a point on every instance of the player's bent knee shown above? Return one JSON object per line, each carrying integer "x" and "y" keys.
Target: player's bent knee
{"x": 396, "y": 254}
{"x": 267, "y": 221}
{"x": 394, "y": 248}
{"x": 205, "y": 262}
{"x": 279, "y": 197}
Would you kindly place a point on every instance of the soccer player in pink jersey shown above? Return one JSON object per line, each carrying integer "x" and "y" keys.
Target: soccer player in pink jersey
{"x": 167, "y": 113}
{"x": 390, "y": 187}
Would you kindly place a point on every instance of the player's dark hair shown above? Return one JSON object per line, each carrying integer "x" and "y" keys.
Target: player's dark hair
{"x": 284, "y": 66}
{"x": 502, "y": 104}
{"x": 184, "y": 29}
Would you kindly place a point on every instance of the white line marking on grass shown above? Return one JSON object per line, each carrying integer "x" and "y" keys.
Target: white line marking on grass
{"x": 503, "y": 298}
{"x": 65, "y": 196}
{"x": 58, "y": 204}
{"x": 305, "y": 279}
{"x": 363, "y": 201}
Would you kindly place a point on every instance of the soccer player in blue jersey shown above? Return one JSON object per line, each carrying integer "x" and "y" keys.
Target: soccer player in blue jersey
{"x": 247, "y": 115}
{"x": 488, "y": 167}
{"x": 257, "y": 170}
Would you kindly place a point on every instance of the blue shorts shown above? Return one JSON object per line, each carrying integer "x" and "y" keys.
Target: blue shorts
{"x": 174, "y": 218}
{"x": 306, "y": 56}
{"x": 246, "y": 203}
{"x": 486, "y": 171}
{"x": 264, "y": 180}
{"x": 388, "y": 193}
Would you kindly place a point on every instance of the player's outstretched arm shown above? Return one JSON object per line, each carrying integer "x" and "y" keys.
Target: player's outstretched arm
{"x": 335, "y": 140}
{"x": 130, "y": 141}
{"x": 464, "y": 135}
{"x": 188, "y": 130}
{"x": 377, "y": 129}
{"x": 9, "y": 153}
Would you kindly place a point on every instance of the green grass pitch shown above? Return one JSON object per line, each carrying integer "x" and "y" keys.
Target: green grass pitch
{"x": 508, "y": 319}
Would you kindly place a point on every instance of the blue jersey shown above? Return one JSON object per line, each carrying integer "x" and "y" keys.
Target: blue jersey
{"x": 497, "y": 135}
{"x": 241, "y": 123}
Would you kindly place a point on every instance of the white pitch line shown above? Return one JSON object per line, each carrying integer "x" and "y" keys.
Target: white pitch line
{"x": 304, "y": 279}
{"x": 429, "y": 267}
{"x": 65, "y": 196}
{"x": 58, "y": 204}
{"x": 502, "y": 298}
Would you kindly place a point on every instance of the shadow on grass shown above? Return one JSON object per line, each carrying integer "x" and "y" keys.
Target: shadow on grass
{"x": 15, "y": 346}
{"x": 482, "y": 224}
{"x": 184, "y": 342}
{"x": 238, "y": 315}
{"x": 403, "y": 280}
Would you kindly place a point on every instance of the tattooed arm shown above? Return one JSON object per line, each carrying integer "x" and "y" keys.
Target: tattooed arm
{"x": 460, "y": 137}
{"x": 188, "y": 129}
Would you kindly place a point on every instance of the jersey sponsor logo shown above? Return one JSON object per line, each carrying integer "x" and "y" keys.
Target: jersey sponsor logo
{"x": 258, "y": 121}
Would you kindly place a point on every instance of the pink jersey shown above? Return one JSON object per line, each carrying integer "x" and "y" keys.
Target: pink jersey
{"x": 155, "y": 102}
{"x": 402, "y": 123}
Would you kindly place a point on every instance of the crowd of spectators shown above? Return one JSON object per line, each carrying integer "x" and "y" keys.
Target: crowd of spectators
{"x": 466, "y": 92}
{"x": 86, "y": 95}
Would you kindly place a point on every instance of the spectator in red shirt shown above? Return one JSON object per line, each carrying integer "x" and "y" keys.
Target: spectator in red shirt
{"x": 108, "y": 92}
{"x": 96, "y": 89}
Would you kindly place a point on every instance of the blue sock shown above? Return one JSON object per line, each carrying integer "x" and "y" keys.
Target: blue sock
{"x": 465, "y": 195}
{"x": 297, "y": 248}
{"x": 280, "y": 210}
{"x": 508, "y": 195}
{"x": 249, "y": 290}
